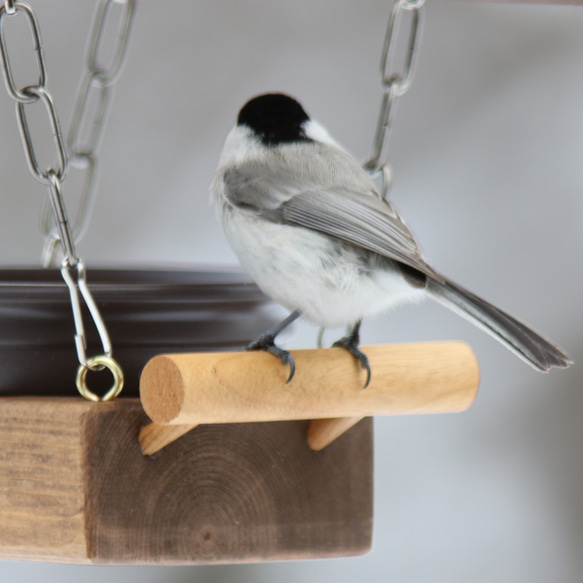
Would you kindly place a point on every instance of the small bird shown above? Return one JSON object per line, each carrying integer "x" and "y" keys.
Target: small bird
{"x": 308, "y": 224}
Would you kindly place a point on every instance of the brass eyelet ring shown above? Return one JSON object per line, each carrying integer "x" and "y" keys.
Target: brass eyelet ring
{"x": 96, "y": 363}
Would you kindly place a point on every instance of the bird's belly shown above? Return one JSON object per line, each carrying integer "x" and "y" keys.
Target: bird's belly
{"x": 329, "y": 282}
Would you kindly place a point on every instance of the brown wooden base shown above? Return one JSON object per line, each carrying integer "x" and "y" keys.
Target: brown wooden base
{"x": 75, "y": 487}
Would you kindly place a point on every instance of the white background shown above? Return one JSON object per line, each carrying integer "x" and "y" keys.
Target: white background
{"x": 487, "y": 150}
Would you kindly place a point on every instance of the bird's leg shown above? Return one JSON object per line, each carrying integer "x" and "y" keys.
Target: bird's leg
{"x": 351, "y": 343}
{"x": 321, "y": 337}
{"x": 267, "y": 342}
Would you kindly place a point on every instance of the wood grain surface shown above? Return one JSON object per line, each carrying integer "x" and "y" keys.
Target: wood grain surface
{"x": 75, "y": 487}
{"x": 231, "y": 387}
{"x": 42, "y": 479}
{"x": 181, "y": 391}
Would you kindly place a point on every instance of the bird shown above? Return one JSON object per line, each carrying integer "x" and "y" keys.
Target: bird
{"x": 308, "y": 224}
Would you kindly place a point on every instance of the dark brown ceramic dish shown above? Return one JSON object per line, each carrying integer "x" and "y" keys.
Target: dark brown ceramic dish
{"x": 146, "y": 313}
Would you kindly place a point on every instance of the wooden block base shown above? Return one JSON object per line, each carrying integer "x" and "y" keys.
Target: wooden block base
{"x": 75, "y": 487}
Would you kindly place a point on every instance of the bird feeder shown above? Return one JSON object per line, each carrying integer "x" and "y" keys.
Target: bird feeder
{"x": 208, "y": 456}
{"x": 220, "y": 460}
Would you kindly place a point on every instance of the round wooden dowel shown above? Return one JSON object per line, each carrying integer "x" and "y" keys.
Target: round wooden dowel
{"x": 154, "y": 437}
{"x": 323, "y": 432}
{"x": 233, "y": 387}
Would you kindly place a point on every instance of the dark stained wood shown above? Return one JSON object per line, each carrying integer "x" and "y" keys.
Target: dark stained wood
{"x": 75, "y": 487}
{"x": 226, "y": 493}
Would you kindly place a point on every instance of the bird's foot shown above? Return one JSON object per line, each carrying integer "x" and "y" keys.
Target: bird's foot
{"x": 350, "y": 343}
{"x": 266, "y": 342}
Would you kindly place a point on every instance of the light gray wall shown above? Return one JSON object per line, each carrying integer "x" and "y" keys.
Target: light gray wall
{"x": 487, "y": 151}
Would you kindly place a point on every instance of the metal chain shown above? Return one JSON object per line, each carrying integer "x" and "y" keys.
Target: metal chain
{"x": 89, "y": 115}
{"x": 53, "y": 178}
{"x": 394, "y": 84}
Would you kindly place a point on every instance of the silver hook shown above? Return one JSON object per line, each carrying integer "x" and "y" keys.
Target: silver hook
{"x": 74, "y": 288}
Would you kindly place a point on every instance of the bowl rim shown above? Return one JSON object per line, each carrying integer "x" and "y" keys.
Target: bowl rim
{"x": 22, "y": 284}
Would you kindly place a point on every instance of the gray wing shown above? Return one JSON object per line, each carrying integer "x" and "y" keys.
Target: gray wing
{"x": 326, "y": 190}
{"x": 359, "y": 219}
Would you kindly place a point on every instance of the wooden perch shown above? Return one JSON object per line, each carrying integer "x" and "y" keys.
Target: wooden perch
{"x": 181, "y": 391}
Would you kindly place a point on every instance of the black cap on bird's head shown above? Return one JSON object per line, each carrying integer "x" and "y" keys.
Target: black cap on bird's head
{"x": 275, "y": 118}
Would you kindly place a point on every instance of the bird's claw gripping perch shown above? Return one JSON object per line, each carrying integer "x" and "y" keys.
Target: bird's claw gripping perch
{"x": 267, "y": 343}
{"x": 351, "y": 343}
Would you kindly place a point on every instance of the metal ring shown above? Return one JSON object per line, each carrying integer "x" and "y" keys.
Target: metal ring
{"x": 113, "y": 367}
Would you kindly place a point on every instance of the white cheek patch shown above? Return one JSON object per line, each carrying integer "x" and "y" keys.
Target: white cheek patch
{"x": 317, "y": 133}
{"x": 239, "y": 146}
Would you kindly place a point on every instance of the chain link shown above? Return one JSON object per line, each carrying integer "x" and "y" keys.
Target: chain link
{"x": 72, "y": 267}
{"x": 21, "y": 95}
{"x": 60, "y": 214}
{"x": 394, "y": 84}
{"x": 83, "y": 117}
{"x": 109, "y": 75}
{"x": 47, "y": 225}
{"x": 89, "y": 115}
{"x": 42, "y": 95}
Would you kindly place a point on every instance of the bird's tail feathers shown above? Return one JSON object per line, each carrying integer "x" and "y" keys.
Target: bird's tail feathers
{"x": 537, "y": 351}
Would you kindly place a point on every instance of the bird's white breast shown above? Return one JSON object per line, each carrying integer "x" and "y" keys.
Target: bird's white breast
{"x": 307, "y": 271}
